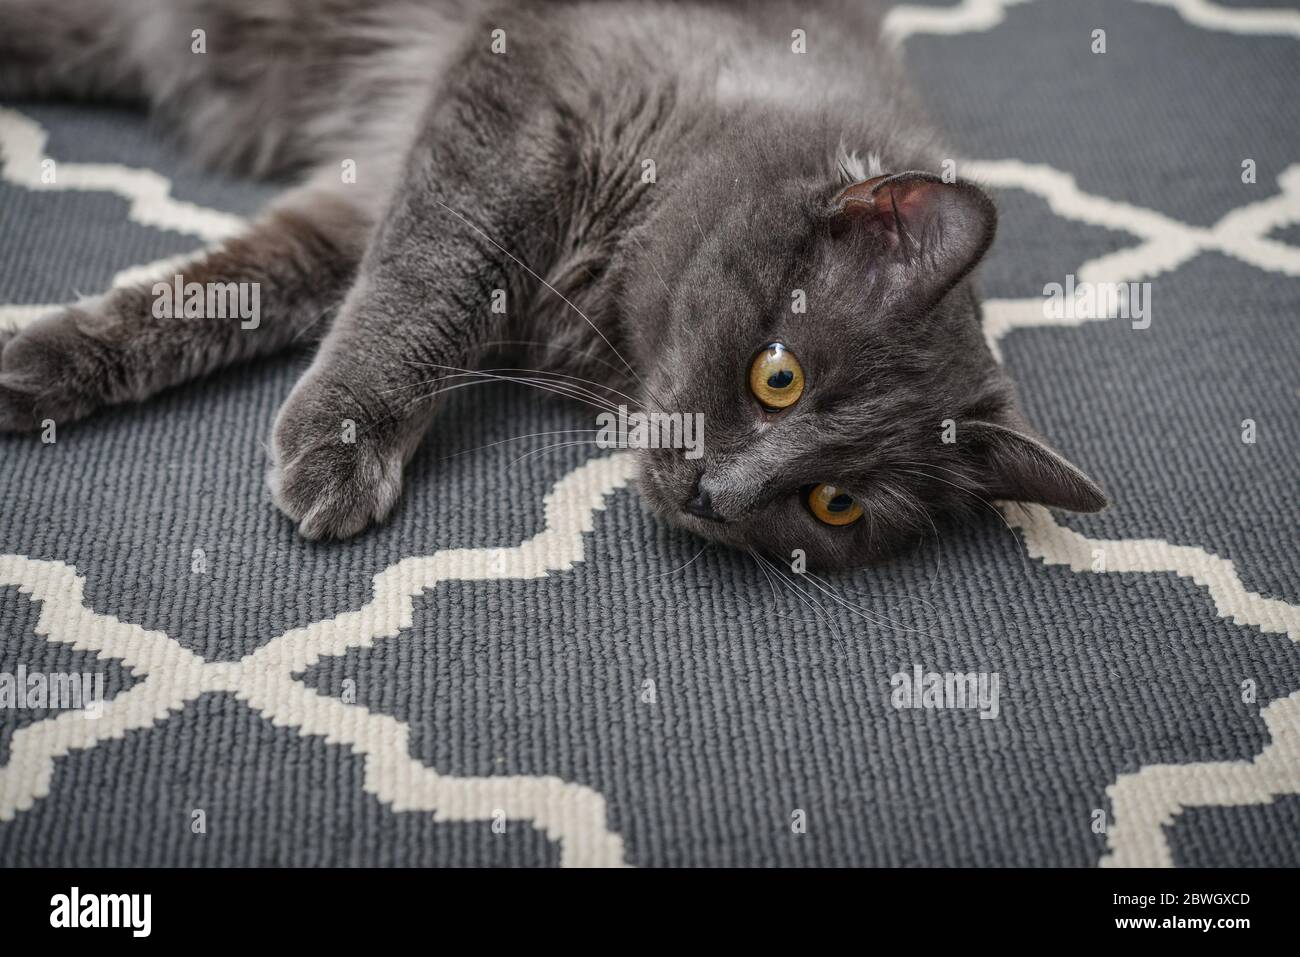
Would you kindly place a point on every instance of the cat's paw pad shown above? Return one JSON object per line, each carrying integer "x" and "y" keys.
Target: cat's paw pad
{"x": 336, "y": 490}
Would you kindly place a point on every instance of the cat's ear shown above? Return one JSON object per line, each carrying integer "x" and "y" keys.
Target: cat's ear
{"x": 1020, "y": 466}
{"x": 933, "y": 232}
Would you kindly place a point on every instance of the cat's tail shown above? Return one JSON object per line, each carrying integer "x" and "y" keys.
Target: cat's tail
{"x": 249, "y": 85}
{"x": 83, "y": 49}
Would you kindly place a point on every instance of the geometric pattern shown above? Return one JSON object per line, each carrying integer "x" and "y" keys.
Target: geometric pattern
{"x": 1146, "y": 801}
{"x": 570, "y": 814}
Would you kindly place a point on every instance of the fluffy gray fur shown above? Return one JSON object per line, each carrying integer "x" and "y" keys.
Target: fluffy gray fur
{"x": 522, "y": 170}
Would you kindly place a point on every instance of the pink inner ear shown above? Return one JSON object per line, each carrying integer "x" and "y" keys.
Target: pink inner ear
{"x": 861, "y": 192}
{"x": 863, "y": 201}
{"x": 905, "y": 196}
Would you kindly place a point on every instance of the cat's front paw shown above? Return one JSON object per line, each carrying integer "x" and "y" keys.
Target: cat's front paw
{"x": 336, "y": 491}
{"x": 328, "y": 475}
{"x": 51, "y": 371}
{"x": 18, "y": 402}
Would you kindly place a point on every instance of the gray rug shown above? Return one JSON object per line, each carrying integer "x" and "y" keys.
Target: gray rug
{"x": 523, "y": 668}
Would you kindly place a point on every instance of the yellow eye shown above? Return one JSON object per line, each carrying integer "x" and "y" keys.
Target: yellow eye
{"x": 832, "y": 506}
{"x": 776, "y": 378}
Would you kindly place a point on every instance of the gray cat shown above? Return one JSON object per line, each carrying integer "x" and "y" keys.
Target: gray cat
{"x": 650, "y": 188}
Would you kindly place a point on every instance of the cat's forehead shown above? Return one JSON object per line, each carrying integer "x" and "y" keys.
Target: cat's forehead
{"x": 763, "y": 275}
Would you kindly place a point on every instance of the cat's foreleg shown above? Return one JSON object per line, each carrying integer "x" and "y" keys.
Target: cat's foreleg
{"x": 414, "y": 320}
{"x": 257, "y": 293}
{"x": 477, "y": 200}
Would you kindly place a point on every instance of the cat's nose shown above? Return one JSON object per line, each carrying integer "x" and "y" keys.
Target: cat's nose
{"x": 701, "y": 505}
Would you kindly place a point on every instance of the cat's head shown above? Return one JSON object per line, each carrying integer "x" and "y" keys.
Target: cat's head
{"x": 829, "y": 335}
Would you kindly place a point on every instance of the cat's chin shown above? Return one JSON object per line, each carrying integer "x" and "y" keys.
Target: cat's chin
{"x": 725, "y": 533}
{"x": 743, "y": 538}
